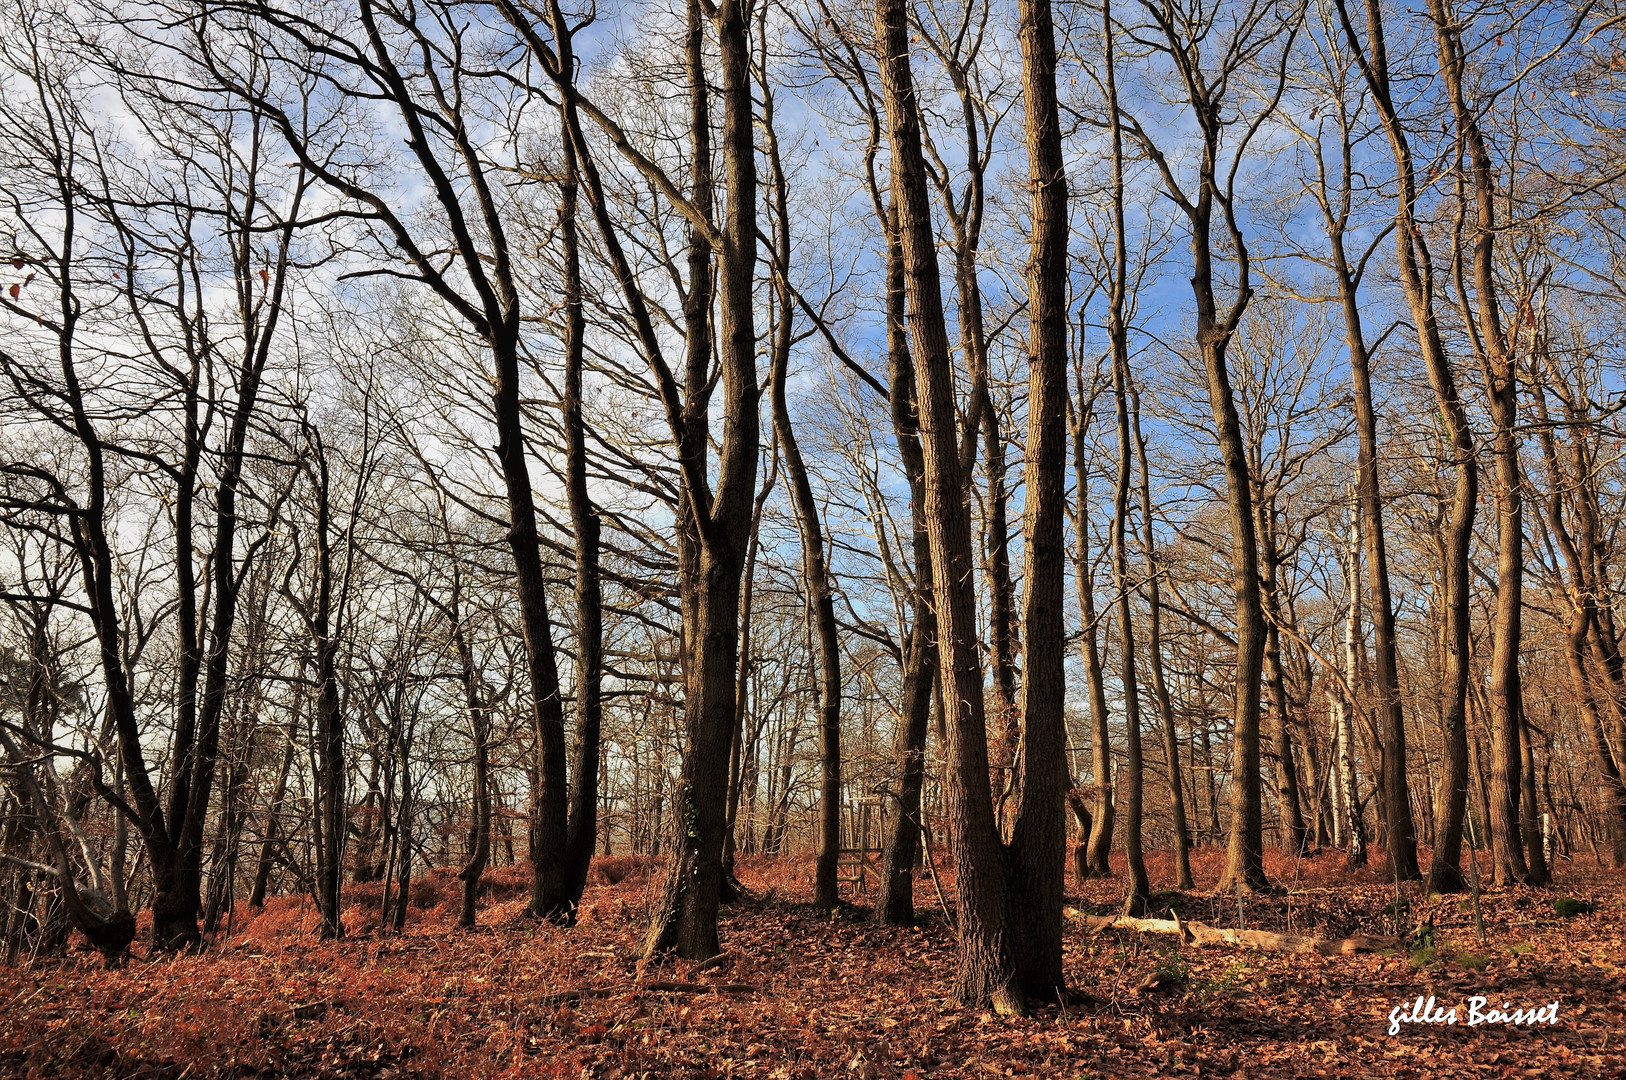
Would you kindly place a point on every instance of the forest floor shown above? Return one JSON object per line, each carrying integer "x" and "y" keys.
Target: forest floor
{"x": 817, "y": 995}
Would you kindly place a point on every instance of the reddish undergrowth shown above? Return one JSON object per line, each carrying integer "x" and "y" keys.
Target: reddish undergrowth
{"x": 832, "y": 996}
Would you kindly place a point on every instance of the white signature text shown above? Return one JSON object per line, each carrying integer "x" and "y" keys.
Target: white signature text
{"x": 1425, "y": 1011}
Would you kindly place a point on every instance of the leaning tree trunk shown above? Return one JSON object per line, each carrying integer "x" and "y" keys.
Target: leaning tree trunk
{"x": 108, "y": 927}
{"x": 1611, "y": 790}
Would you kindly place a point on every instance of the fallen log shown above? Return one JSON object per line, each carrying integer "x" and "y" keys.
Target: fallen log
{"x": 1201, "y": 934}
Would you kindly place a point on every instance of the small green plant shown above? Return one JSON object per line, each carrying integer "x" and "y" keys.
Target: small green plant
{"x": 1227, "y": 982}
{"x": 1472, "y": 961}
{"x": 1422, "y": 958}
{"x": 1398, "y": 908}
{"x": 1567, "y": 907}
{"x": 1171, "y": 966}
{"x": 1521, "y": 948}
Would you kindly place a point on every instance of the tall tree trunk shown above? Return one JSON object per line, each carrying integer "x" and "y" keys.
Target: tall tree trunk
{"x": 330, "y": 779}
{"x": 686, "y": 917}
{"x": 896, "y": 903}
{"x": 1355, "y": 842}
{"x": 815, "y": 568}
{"x": 581, "y": 829}
{"x": 1295, "y": 835}
{"x": 1139, "y": 891}
{"x": 1493, "y": 348}
{"x": 1039, "y": 835}
{"x": 1154, "y": 652}
{"x": 273, "y": 813}
{"x": 1444, "y": 874}
{"x": 965, "y": 219}
{"x": 988, "y": 963}
{"x": 480, "y": 733}
{"x": 1583, "y": 612}
{"x": 742, "y": 767}
{"x": 395, "y": 913}
{"x": 480, "y": 830}
{"x": 1417, "y": 283}
{"x": 1244, "y": 866}
{"x": 1530, "y": 805}
{"x": 1098, "y": 846}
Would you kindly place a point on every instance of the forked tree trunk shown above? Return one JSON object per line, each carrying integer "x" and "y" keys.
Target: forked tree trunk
{"x": 685, "y": 918}
{"x": 1009, "y": 912}
{"x": 713, "y": 525}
